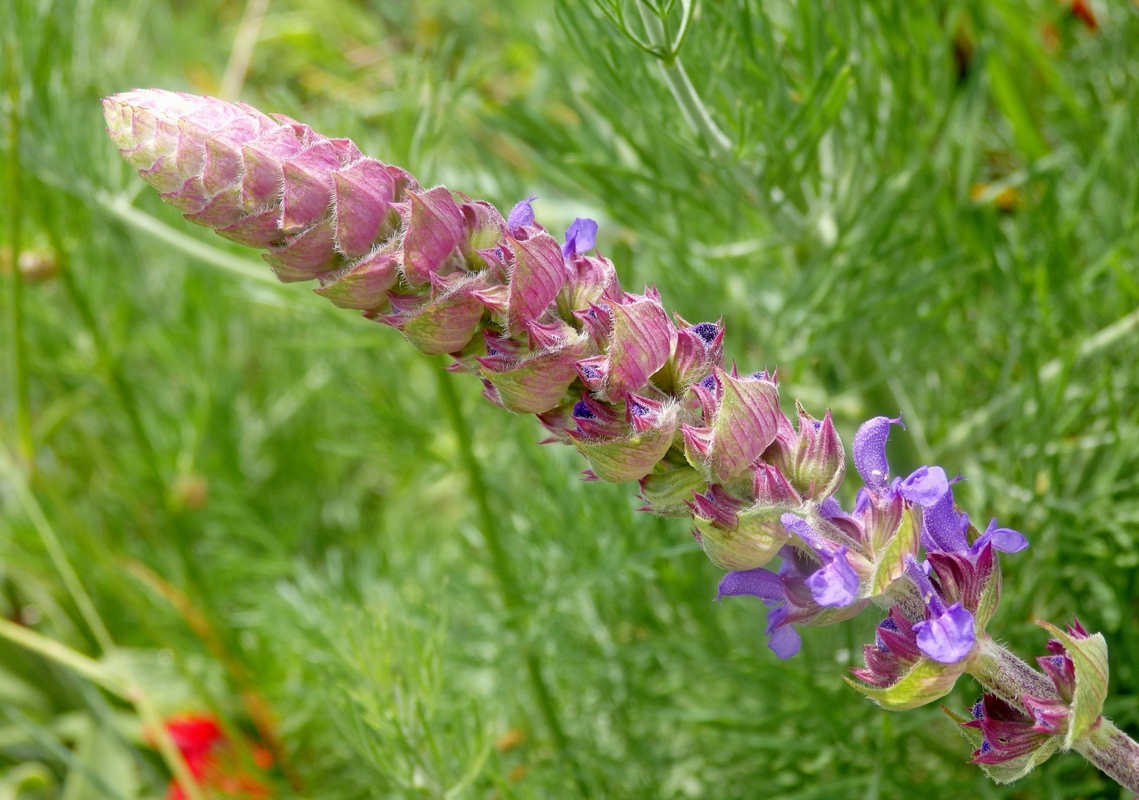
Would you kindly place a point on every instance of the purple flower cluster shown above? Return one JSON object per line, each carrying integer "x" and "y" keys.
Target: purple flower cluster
{"x": 937, "y": 607}
{"x": 642, "y": 395}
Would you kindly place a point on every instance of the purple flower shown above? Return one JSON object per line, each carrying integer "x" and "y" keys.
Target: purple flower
{"x": 521, "y": 216}
{"x": 869, "y": 451}
{"x": 580, "y": 237}
{"x": 943, "y": 528}
{"x": 1004, "y": 539}
{"x": 783, "y": 639}
{"x": 946, "y": 634}
{"x": 925, "y": 486}
{"x": 836, "y": 584}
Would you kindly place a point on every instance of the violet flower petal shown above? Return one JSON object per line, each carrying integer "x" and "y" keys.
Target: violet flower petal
{"x": 941, "y": 526}
{"x": 521, "y": 215}
{"x": 924, "y": 486}
{"x": 760, "y": 582}
{"x": 836, "y": 584}
{"x": 580, "y": 237}
{"x": 785, "y": 641}
{"x": 947, "y": 637}
{"x": 1005, "y": 540}
{"x": 869, "y": 451}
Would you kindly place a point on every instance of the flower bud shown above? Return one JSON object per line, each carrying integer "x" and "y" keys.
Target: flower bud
{"x": 667, "y": 489}
{"x": 820, "y": 462}
{"x": 316, "y": 203}
{"x": 436, "y": 232}
{"x": 741, "y": 421}
{"x": 1008, "y": 743}
{"x": 534, "y": 381}
{"x": 444, "y": 322}
{"x": 898, "y": 676}
{"x": 735, "y": 537}
{"x": 1086, "y": 688}
{"x": 625, "y": 452}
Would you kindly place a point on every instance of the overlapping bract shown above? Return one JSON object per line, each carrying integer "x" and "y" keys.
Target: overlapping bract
{"x": 544, "y": 324}
{"x": 548, "y": 329}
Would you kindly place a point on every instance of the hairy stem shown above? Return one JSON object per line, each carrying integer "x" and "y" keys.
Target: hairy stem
{"x": 1004, "y": 674}
{"x": 509, "y": 588}
{"x": 1009, "y": 678}
{"x": 1114, "y": 752}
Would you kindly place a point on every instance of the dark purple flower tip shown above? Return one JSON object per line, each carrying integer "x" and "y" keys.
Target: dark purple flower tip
{"x": 869, "y": 451}
{"x": 836, "y": 584}
{"x": 707, "y": 331}
{"x": 1005, "y": 540}
{"x": 978, "y": 709}
{"x": 521, "y": 215}
{"x": 709, "y": 383}
{"x": 947, "y": 637}
{"x": 925, "y": 486}
{"x": 581, "y": 411}
{"x": 581, "y": 236}
{"x": 637, "y": 410}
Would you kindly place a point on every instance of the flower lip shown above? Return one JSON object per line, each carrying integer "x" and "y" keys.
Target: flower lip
{"x": 581, "y": 236}
{"x": 835, "y": 585}
{"x": 924, "y": 486}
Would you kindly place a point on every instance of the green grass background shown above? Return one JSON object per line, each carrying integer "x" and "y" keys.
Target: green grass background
{"x": 327, "y": 503}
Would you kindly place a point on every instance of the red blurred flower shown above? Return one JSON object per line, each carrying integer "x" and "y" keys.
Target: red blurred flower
{"x": 213, "y": 760}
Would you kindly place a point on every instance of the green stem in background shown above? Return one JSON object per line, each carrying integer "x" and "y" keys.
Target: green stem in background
{"x": 509, "y": 588}
{"x": 83, "y": 665}
{"x": 97, "y": 673}
{"x": 1008, "y": 677}
{"x": 676, "y": 78}
{"x": 122, "y": 388}
{"x": 17, "y": 343}
{"x": 55, "y": 550}
{"x": 242, "y": 53}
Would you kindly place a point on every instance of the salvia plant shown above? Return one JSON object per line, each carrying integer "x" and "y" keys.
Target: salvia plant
{"x": 644, "y": 396}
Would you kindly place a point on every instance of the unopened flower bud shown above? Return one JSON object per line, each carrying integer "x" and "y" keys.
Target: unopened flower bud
{"x": 820, "y": 462}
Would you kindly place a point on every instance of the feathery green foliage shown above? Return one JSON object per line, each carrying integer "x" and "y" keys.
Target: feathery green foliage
{"x": 929, "y": 209}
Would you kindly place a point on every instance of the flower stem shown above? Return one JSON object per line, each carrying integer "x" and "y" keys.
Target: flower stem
{"x": 1009, "y": 678}
{"x": 1114, "y": 752}
{"x": 508, "y": 585}
{"x": 242, "y": 53}
{"x": 94, "y": 671}
{"x": 691, "y": 106}
{"x": 55, "y": 551}
{"x": 1002, "y": 673}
